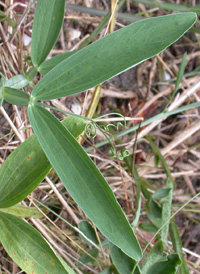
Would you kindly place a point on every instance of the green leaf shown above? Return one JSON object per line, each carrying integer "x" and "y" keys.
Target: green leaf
{"x": 22, "y": 171}
{"x": 123, "y": 263}
{"x": 106, "y": 271}
{"x": 170, "y": 6}
{"x": 46, "y": 27}
{"x": 167, "y": 265}
{"x": 27, "y": 166}
{"x": 154, "y": 212}
{"x": 88, "y": 259}
{"x": 153, "y": 256}
{"x": 161, "y": 193}
{"x": 88, "y": 231}
{"x": 148, "y": 227}
{"x": 26, "y": 247}
{"x": 75, "y": 125}
{"x": 177, "y": 245}
{"x": 17, "y": 81}
{"x": 25, "y": 212}
{"x": 16, "y": 96}
{"x": 48, "y": 65}
{"x": 32, "y": 72}
{"x": 3, "y": 79}
{"x": 83, "y": 180}
{"x": 112, "y": 55}
{"x": 147, "y": 194}
{"x": 10, "y": 21}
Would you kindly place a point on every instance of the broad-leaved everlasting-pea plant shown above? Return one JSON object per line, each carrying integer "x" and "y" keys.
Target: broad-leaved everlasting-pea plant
{"x": 54, "y": 143}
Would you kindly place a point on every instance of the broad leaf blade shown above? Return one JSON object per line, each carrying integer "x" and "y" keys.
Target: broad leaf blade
{"x": 27, "y": 166}
{"x": 46, "y": 27}
{"x": 123, "y": 263}
{"x": 16, "y": 96}
{"x": 167, "y": 265}
{"x": 112, "y": 55}
{"x": 83, "y": 180}
{"x": 17, "y": 81}
{"x": 48, "y": 65}
{"x": 26, "y": 247}
{"x": 22, "y": 171}
{"x": 152, "y": 257}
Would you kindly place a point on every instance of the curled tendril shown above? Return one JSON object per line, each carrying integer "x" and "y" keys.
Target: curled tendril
{"x": 112, "y": 151}
{"x": 106, "y": 128}
{"x": 118, "y": 124}
{"x": 121, "y": 155}
{"x": 91, "y": 130}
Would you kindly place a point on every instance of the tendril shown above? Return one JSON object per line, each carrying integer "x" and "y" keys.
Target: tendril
{"x": 106, "y": 128}
{"x": 91, "y": 130}
{"x": 123, "y": 154}
{"x": 92, "y": 126}
{"x": 118, "y": 124}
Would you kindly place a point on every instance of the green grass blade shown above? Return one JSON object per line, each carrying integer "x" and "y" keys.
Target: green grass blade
{"x": 27, "y": 166}
{"x": 181, "y": 71}
{"x": 24, "y": 212}
{"x": 177, "y": 245}
{"x": 46, "y": 27}
{"x": 27, "y": 248}
{"x": 167, "y": 6}
{"x": 112, "y": 55}
{"x": 179, "y": 78}
{"x": 99, "y": 12}
{"x": 83, "y": 180}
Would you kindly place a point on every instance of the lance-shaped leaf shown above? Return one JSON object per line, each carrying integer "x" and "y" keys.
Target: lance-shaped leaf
{"x": 24, "y": 212}
{"x": 48, "y": 65}
{"x": 167, "y": 265}
{"x": 123, "y": 263}
{"x": 46, "y": 27}
{"x": 27, "y": 248}
{"x": 152, "y": 257}
{"x": 112, "y": 55}
{"x": 83, "y": 180}
{"x": 17, "y": 81}
{"x": 16, "y": 96}
{"x": 27, "y": 166}
{"x": 22, "y": 171}
{"x": 177, "y": 245}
